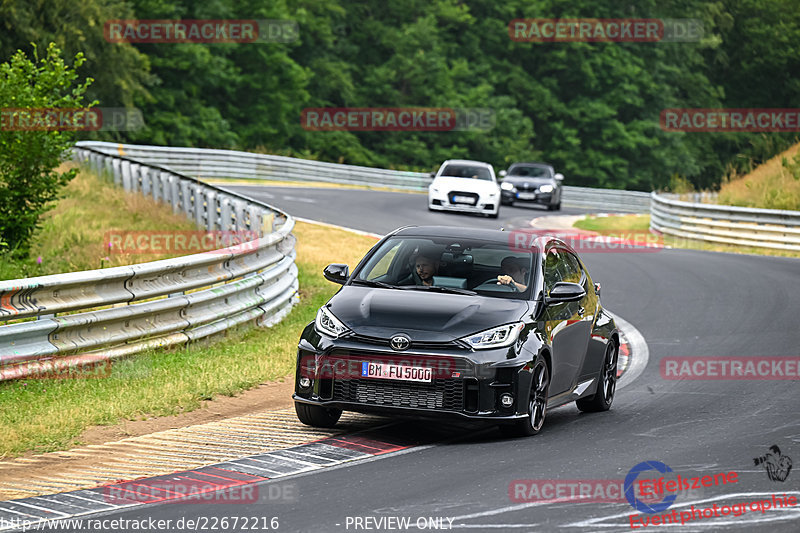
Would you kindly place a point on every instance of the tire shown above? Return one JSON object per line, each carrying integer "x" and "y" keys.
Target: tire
{"x": 557, "y": 207}
{"x": 606, "y": 386}
{"x": 537, "y": 405}
{"x": 495, "y": 214}
{"x": 316, "y": 416}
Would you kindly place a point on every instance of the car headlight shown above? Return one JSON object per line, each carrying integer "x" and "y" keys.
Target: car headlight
{"x": 546, "y": 188}
{"x": 496, "y": 337}
{"x": 328, "y": 324}
{"x": 507, "y": 186}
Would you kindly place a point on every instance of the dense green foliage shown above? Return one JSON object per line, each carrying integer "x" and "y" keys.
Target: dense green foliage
{"x": 29, "y": 181}
{"x": 592, "y": 109}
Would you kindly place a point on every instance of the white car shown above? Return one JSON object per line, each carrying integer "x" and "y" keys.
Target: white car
{"x": 462, "y": 185}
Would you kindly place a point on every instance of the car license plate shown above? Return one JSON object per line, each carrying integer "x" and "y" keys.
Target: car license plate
{"x": 463, "y": 200}
{"x": 526, "y": 195}
{"x": 392, "y": 371}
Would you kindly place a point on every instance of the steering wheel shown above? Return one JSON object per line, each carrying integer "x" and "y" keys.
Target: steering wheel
{"x": 494, "y": 285}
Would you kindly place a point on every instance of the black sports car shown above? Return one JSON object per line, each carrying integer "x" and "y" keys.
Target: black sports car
{"x": 532, "y": 183}
{"x": 441, "y": 321}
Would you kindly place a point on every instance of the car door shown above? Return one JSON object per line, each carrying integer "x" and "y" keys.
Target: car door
{"x": 567, "y": 324}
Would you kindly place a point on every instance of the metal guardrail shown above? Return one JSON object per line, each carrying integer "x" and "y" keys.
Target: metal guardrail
{"x": 762, "y": 228}
{"x": 157, "y": 304}
{"x": 229, "y": 164}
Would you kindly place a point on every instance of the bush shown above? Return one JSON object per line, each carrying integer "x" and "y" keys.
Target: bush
{"x": 29, "y": 155}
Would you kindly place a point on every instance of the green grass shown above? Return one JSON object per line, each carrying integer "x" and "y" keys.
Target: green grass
{"x": 49, "y": 415}
{"x": 615, "y": 223}
{"x": 624, "y": 224}
{"x": 73, "y": 235}
{"x": 772, "y": 185}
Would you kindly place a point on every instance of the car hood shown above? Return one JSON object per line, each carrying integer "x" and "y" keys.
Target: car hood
{"x": 422, "y": 315}
{"x": 449, "y": 183}
{"x": 519, "y": 180}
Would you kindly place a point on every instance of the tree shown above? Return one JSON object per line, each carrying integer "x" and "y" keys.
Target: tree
{"x": 29, "y": 152}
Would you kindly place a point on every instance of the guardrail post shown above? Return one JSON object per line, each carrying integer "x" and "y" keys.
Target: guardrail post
{"x": 174, "y": 192}
{"x": 210, "y": 210}
{"x": 199, "y": 205}
{"x": 226, "y": 222}
{"x": 240, "y": 212}
{"x": 157, "y": 183}
{"x": 147, "y": 186}
{"x": 186, "y": 199}
{"x": 116, "y": 166}
{"x": 126, "y": 175}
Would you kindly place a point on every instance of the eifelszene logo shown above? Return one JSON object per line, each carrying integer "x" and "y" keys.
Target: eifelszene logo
{"x": 777, "y": 465}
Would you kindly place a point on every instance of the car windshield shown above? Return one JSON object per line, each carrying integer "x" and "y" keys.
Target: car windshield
{"x": 529, "y": 171}
{"x": 462, "y": 266}
{"x": 467, "y": 171}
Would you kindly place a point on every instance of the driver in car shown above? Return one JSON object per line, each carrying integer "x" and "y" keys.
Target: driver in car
{"x": 425, "y": 268}
{"x": 514, "y": 270}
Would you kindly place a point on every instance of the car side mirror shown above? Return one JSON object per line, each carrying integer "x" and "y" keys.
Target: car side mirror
{"x": 564, "y": 292}
{"x": 559, "y": 177}
{"x": 337, "y": 273}
{"x": 432, "y": 174}
{"x": 503, "y": 173}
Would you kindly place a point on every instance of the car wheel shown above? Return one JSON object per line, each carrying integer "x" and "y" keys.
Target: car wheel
{"x": 316, "y": 416}
{"x": 558, "y": 206}
{"x": 602, "y": 399}
{"x": 537, "y": 405}
{"x": 495, "y": 214}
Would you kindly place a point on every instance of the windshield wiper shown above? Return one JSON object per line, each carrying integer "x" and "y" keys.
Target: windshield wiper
{"x": 436, "y": 288}
{"x": 374, "y": 283}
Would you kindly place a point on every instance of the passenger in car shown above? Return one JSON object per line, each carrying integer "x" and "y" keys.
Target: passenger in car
{"x": 513, "y": 270}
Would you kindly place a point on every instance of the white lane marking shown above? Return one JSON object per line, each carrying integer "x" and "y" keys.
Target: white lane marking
{"x": 259, "y": 193}
{"x": 299, "y": 199}
{"x": 640, "y": 354}
{"x": 501, "y": 510}
{"x": 39, "y": 508}
{"x": 494, "y": 526}
{"x": 351, "y": 230}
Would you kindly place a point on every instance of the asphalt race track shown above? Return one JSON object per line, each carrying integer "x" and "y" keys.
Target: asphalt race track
{"x": 685, "y": 303}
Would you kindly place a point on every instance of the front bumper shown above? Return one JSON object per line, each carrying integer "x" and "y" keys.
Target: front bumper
{"x": 409, "y": 411}
{"x": 466, "y": 384}
{"x": 444, "y": 201}
{"x": 538, "y": 198}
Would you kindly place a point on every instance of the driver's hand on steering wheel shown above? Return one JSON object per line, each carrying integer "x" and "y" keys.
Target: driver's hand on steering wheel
{"x": 505, "y": 280}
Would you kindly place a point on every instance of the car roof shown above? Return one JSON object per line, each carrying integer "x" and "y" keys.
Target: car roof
{"x": 466, "y": 162}
{"x": 455, "y": 232}
{"x": 530, "y": 163}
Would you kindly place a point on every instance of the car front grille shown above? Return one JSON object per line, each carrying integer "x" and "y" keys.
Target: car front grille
{"x": 471, "y": 196}
{"x": 444, "y": 394}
